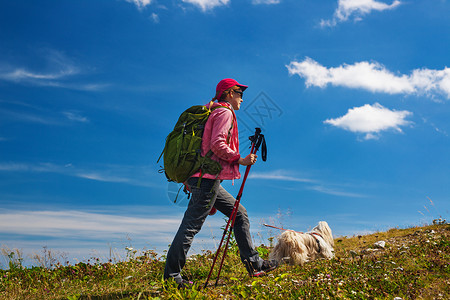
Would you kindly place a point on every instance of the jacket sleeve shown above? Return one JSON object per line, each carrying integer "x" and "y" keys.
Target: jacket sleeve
{"x": 223, "y": 119}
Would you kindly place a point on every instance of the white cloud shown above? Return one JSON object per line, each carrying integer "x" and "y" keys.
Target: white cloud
{"x": 28, "y": 117}
{"x": 265, "y": 2}
{"x": 39, "y": 168}
{"x": 140, "y": 4}
{"x": 131, "y": 175}
{"x": 154, "y": 17}
{"x": 75, "y": 116}
{"x": 23, "y": 74}
{"x": 311, "y": 184}
{"x": 102, "y": 177}
{"x": 62, "y": 223}
{"x": 207, "y": 4}
{"x": 204, "y": 5}
{"x": 56, "y": 71}
{"x": 371, "y": 120}
{"x": 435, "y": 128}
{"x": 77, "y": 232}
{"x": 279, "y": 175}
{"x": 335, "y": 192}
{"x": 373, "y": 77}
{"x": 12, "y": 167}
{"x": 356, "y": 8}
{"x": 24, "y": 112}
{"x": 58, "y": 67}
{"x": 85, "y": 87}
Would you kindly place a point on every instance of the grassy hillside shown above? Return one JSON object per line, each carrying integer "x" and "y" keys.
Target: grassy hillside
{"x": 415, "y": 264}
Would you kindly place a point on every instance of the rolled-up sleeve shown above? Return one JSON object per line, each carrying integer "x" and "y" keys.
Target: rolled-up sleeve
{"x": 223, "y": 119}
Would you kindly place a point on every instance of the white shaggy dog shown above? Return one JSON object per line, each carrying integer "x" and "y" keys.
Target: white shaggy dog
{"x": 298, "y": 248}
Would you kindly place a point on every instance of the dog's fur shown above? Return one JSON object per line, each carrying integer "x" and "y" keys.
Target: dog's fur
{"x": 298, "y": 248}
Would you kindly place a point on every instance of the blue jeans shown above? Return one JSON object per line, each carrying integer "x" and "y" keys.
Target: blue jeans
{"x": 209, "y": 194}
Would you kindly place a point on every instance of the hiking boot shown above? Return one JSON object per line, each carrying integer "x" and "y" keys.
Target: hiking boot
{"x": 267, "y": 266}
{"x": 185, "y": 284}
{"x": 180, "y": 283}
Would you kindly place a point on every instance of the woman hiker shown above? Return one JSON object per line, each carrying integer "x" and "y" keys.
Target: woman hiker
{"x": 221, "y": 137}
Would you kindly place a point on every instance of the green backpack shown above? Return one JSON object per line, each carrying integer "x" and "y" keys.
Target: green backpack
{"x": 182, "y": 151}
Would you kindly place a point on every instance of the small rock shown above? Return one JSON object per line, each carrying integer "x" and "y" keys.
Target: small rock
{"x": 368, "y": 251}
{"x": 380, "y": 244}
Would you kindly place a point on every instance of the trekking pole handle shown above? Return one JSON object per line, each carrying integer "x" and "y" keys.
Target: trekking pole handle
{"x": 257, "y": 140}
{"x": 254, "y": 139}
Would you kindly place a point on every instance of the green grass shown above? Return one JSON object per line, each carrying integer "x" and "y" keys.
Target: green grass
{"x": 415, "y": 264}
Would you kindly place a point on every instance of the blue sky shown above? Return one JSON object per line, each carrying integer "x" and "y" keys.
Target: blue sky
{"x": 352, "y": 96}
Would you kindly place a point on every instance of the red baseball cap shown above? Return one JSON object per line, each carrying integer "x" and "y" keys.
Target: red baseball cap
{"x": 225, "y": 84}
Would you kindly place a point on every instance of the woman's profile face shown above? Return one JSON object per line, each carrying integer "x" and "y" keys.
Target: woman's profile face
{"x": 236, "y": 99}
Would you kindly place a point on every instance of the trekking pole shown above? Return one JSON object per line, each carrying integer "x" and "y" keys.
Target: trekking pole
{"x": 256, "y": 140}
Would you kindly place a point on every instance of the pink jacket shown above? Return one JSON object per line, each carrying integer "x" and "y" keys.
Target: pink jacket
{"x": 223, "y": 142}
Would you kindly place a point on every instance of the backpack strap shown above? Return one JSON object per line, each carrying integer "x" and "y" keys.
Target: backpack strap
{"x": 209, "y": 154}
{"x": 232, "y": 122}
